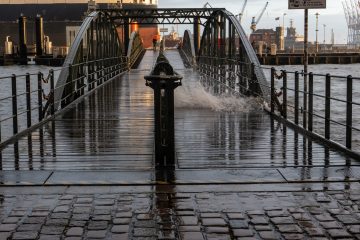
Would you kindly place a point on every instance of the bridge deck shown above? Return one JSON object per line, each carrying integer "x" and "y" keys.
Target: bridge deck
{"x": 239, "y": 175}
{"x": 112, "y": 130}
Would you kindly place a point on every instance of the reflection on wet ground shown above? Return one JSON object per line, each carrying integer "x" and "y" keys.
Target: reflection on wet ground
{"x": 112, "y": 130}
{"x": 235, "y": 173}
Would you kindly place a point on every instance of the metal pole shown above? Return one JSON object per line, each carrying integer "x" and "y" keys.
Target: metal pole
{"x": 14, "y": 104}
{"x": 327, "y": 106}
{"x": 306, "y": 61}
{"x": 284, "y": 14}
{"x": 272, "y": 90}
{"x": 22, "y": 40}
{"x": 196, "y": 35}
{"x": 324, "y": 33}
{"x": 28, "y": 100}
{"x": 317, "y": 32}
{"x": 126, "y": 34}
{"x": 296, "y": 97}
{"x": 39, "y": 29}
{"x": 52, "y": 90}
{"x": 349, "y": 99}
{"x": 284, "y": 108}
{"x": 311, "y": 102}
{"x": 40, "y": 104}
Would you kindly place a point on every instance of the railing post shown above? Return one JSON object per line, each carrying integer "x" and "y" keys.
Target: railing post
{"x": 349, "y": 111}
{"x": 273, "y": 90}
{"x": 40, "y": 103}
{"x": 253, "y": 85}
{"x": 327, "y": 105}
{"x": 284, "y": 94}
{"x": 311, "y": 103}
{"x": 305, "y": 100}
{"x": 296, "y": 97}
{"x": 71, "y": 87}
{"x": 14, "y": 104}
{"x": 28, "y": 100}
{"x": 52, "y": 92}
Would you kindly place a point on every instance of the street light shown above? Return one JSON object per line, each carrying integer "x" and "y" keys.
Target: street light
{"x": 284, "y": 14}
{"x": 324, "y": 33}
{"x": 317, "y": 32}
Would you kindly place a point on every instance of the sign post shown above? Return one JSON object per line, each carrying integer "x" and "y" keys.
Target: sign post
{"x": 306, "y": 5}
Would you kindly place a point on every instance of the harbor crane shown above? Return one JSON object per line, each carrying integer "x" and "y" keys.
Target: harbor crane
{"x": 242, "y": 11}
{"x": 352, "y": 15}
{"x": 255, "y": 22}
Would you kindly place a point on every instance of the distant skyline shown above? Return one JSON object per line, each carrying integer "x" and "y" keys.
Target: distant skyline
{"x": 333, "y": 16}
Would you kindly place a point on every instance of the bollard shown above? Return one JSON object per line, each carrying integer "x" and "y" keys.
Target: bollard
{"x": 22, "y": 41}
{"x": 39, "y": 34}
{"x": 163, "y": 80}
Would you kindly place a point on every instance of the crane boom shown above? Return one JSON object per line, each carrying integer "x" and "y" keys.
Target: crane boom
{"x": 242, "y": 10}
{"x": 262, "y": 13}
{"x": 254, "y": 21}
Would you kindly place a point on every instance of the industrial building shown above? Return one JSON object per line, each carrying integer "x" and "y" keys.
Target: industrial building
{"x": 61, "y": 20}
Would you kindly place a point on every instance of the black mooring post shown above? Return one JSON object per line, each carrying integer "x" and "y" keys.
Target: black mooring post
{"x": 163, "y": 80}
{"x": 22, "y": 41}
{"x": 39, "y": 32}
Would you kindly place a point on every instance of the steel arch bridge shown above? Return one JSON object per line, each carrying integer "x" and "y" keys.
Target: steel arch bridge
{"x": 101, "y": 52}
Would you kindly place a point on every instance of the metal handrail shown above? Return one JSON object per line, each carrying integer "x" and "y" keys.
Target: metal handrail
{"x": 278, "y": 105}
{"x": 39, "y": 111}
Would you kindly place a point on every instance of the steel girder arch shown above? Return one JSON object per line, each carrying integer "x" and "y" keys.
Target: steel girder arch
{"x": 187, "y": 49}
{"x": 228, "y": 60}
{"x": 96, "y": 55}
{"x": 135, "y": 50}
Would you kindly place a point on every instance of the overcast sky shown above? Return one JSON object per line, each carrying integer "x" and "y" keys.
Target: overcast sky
{"x": 333, "y": 16}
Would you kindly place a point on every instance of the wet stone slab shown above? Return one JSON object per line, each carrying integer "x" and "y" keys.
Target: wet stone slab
{"x": 228, "y": 176}
{"x": 99, "y": 177}
{"x": 320, "y": 174}
{"x": 23, "y": 177}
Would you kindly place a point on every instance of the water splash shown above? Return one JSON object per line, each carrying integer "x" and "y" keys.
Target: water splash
{"x": 194, "y": 96}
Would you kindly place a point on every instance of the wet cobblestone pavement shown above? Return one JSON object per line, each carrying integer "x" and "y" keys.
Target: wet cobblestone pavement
{"x": 168, "y": 215}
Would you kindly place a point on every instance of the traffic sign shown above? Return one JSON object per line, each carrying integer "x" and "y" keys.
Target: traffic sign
{"x": 307, "y": 4}
{"x": 164, "y": 30}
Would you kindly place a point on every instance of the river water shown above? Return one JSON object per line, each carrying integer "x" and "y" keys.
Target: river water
{"x": 338, "y": 88}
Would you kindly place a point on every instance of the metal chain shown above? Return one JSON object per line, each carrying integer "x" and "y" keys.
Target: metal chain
{"x": 279, "y": 76}
{"x": 45, "y": 80}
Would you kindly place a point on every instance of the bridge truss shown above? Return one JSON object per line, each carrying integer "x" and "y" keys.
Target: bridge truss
{"x": 223, "y": 54}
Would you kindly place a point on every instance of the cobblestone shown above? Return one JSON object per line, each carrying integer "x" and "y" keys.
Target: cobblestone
{"x": 25, "y": 235}
{"x": 213, "y": 222}
{"x": 282, "y": 220}
{"x": 7, "y": 227}
{"x": 97, "y": 234}
{"x": 267, "y": 235}
{"x": 210, "y": 218}
{"x": 120, "y": 229}
{"x": 339, "y": 233}
{"x": 192, "y": 236}
{"x": 242, "y": 233}
{"x": 75, "y": 231}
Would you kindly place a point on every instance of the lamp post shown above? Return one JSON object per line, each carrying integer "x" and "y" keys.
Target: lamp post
{"x": 324, "y": 33}
{"x": 284, "y": 14}
{"x": 317, "y": 32}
